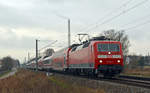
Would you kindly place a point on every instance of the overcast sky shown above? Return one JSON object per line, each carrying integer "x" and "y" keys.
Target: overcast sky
{"x": 22, "y": 21}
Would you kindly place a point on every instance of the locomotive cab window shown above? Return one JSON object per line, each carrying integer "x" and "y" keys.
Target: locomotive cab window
{"x": 108, "y": 47}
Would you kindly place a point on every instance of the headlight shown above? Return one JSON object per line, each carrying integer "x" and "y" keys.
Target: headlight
{"x": 116, "y": 56}
{"x": 100, "y": 61}
{"x": 118, "y": 61}
{"x": 102, "y": 56}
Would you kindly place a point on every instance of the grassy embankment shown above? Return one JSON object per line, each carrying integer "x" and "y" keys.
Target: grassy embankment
{"x": 25, "y": 81}
{"x": 145, "y": 72}
{"x": 4, "y": 73}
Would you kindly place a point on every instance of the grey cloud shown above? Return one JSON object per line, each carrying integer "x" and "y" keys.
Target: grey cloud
{"x": 41, "y": 15}
{"x": 13, "y": 17}
{"x": 9, "y": 40}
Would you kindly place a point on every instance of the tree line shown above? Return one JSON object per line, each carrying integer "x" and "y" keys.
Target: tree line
{"x": 137, "y": 61}
{"x": 7, "y": 63}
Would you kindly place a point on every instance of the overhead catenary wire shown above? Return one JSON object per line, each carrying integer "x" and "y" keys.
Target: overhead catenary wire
{"x": 123, "y": 12}
{"x": 108, "y": 14}
{"x": 47, "y": 45}
{"x": 136, "y": 20}
{"x": 137, "y": 26}
{"x": 118, "y": 15}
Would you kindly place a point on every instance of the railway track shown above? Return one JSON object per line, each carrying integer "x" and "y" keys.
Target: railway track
{"x": 131, "y": 82}
{"x": 128, "y": 80}
{"x": 135, "y": 81}
{"x": 134, "y": 77}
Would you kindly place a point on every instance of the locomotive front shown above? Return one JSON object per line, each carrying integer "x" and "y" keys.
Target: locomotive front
{"x": 108, "y": 57}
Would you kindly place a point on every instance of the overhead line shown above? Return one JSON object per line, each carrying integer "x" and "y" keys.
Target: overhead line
{"x": 141, "y": 18}
{"x": 114, "y": 17}
{"x": 47, "y": 45}
{"x": 108, "y": 14}
{"x": 123, "y": 12}
{"x": 138, "y": 25}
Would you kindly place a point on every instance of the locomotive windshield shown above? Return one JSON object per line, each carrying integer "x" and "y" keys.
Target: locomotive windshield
{"x": 108, "y": 47}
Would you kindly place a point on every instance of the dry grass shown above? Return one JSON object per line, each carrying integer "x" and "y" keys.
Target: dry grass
{"x": 75, "y": 86}
{"x": 25, "y": 81}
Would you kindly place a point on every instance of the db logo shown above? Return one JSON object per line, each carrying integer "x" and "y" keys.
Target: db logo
{"x": 109, "y": 56}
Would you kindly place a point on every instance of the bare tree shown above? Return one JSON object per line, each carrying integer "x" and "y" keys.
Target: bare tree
{"x": 8, "y": 63}
{"x": 119, "y": 36}
{"x": 49, "y": 52}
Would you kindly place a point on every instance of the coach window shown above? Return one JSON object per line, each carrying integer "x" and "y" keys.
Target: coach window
{"x": 91, "y": 48}
{"x": 46, "y": 62}
{"x": 45, "y": 56}
{"x": 86, "y": 45}
{"x": 73, "y": 49}
{"x": 79, "y": 47}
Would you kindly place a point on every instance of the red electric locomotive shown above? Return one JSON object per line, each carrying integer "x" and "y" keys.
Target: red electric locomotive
{"x": 96, "y": 57}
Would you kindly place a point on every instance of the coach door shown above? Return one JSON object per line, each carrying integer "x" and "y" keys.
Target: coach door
{"x": 65, "y": 63}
